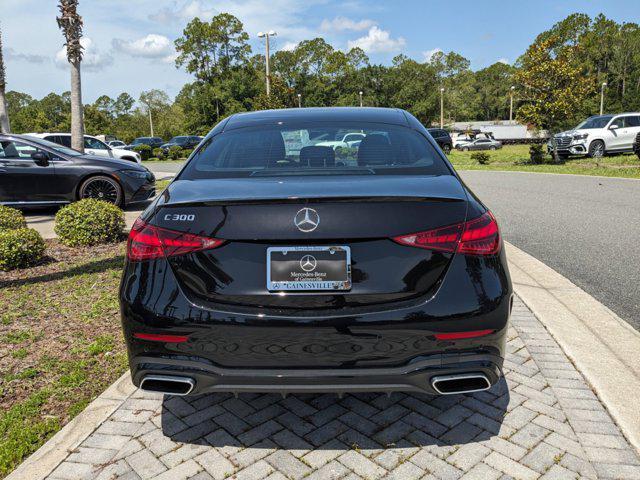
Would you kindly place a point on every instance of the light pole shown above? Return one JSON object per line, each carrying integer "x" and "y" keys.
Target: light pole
{"x": 604, "y": 84}
{"x": 266, "y": 36}
{"x": 150, "y": 119}
{"x": 299, "y": 100}
{"x": 360, "y": 93}
{"x": 511, "y": 103}
{"x": 442, "y": 107}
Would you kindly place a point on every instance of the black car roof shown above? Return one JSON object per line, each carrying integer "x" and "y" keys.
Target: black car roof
{"x": 392, "y": 116}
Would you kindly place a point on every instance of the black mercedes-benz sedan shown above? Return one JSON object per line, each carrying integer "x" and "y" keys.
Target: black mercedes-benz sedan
{"x": 36, "y": 172}
{"x": 272, "y": 263}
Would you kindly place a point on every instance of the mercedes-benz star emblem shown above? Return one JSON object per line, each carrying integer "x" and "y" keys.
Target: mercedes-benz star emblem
{"x": 308, "y": 263}
{"x": 307, "y": 220}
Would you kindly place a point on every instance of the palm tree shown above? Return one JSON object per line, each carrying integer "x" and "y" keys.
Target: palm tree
{"x": 4, "y": 114}
{"x": 71, "y": 25}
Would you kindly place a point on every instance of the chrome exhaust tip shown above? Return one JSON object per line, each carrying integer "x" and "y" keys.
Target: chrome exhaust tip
{"x": 168, "y": 384}
{"x": 460, "y": 383}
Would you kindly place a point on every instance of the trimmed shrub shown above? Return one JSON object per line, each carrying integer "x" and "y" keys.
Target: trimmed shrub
{"x": 481, "y": 157}
{"x": 158, "y": 153}
{"x": 636, "y": 146}
{"x": 20, "y": 248}
{"x": 143, "y": 150}
{"x": 536, "y": 154}
{"x": 186, "y": 153}
{"x": 89, "y": 222}
{"x": 175, "y": 152}
{"x": 11, "y": 218}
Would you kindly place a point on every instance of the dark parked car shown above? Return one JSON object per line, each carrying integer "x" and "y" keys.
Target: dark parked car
{"x": 153, "y": 142}
{"x": 636, "y": 146}
{"x": 265, "y": 268}
{"x": 37, "y": 172}
{"x": 480, "y": 144}
{"x": 190, "y": 141}
{"x": 442, "y": 138}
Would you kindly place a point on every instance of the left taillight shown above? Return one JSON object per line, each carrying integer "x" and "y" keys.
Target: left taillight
{"x": 479, "y": 236}
{"x": 147, "y": 242}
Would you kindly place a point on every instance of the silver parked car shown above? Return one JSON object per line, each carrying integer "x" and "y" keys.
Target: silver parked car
{"x": 480, "y": 144}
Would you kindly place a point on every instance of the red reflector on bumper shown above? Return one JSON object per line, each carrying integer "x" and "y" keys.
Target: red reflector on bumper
{"x": 460, "y": 335}
{"x": 161, "y": 338}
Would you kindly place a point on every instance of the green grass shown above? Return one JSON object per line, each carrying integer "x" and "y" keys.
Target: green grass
{"x": 60, "y": 344}
{"x": 158, "y": 161}
{"x": 515, "y": 158}
{"x": 161, "y": 185}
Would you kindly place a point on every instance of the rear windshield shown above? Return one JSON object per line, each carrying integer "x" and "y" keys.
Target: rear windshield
{"x": 316, "y": 149}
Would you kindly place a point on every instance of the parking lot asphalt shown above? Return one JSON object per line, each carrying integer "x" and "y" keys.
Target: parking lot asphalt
{"x": 586, "y": 228}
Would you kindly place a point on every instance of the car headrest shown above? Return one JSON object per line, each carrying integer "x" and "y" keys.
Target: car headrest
{"x": 261, "y": 149}
{"x": 375, "y": 150}
{"x": 317, "y": 156}
{"x": 10, "y": 151}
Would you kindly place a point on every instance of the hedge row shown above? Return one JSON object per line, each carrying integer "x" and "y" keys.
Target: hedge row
{"x": 19, "y": 246}
{"x": 87, "y": 222}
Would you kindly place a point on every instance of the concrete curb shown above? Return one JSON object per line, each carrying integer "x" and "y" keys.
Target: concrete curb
{"x": 603, "y": 347}
{"x": 45, "y": 460}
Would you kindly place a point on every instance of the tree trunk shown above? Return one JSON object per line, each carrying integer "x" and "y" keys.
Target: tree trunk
{"x": 4, "y": 114}
{"x": 77, "y": 120}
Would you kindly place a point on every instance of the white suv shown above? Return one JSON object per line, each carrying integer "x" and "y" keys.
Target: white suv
{"x": 598, "y": 135}
{"x": 92, "y": 146}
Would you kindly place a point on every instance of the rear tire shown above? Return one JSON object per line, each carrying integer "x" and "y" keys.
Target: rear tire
{"x": 102, "y": 187}
{"x": 492, "y": 148}
{"x": 465, "y": 149}
{"x": 596, "y": 149}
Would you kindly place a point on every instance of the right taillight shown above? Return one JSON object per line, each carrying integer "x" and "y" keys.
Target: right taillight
{"x": 479, "y": 236}
{"x": 147, "y": 242}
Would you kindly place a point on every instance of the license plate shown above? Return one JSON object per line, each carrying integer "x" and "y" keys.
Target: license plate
{"x": 308, "y": 268}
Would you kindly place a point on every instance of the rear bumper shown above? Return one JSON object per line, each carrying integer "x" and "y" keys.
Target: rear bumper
{"x": 345, "y": 351}
{"x": 414, "y": 377}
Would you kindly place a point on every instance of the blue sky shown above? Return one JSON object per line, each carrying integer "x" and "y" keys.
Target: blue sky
{"x": 129, "y": 43}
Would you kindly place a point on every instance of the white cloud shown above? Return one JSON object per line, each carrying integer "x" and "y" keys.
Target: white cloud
{"x": 187, "y": 11}
{"x": 378, "y": 40}
{"x": 283, "y": 16}
{"x": 289, "y": 46}
{"x": 11, "y": 54}
{"x": 504, "y": 60}
{"x": 341, "y": 24}
{"x": 152, "y": 46}
{"x": 428, "y": 55}
{"x": 93, "y": 60}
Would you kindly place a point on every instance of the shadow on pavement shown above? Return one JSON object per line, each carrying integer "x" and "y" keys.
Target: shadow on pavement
{"x": 311, "y": 422}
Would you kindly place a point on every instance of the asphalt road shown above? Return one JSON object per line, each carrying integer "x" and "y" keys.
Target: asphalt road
{"x": 586, "y": 228}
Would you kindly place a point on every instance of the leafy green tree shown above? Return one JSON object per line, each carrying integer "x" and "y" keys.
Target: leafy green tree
{"x": 207, "y": 50}
{"x": 554, "y": 85}
{"x": 123, "y": 104}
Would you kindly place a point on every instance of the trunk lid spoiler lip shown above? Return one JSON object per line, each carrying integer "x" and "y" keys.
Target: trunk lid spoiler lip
{"x": 305, "y": 200}
{"x": 445, "y": 188}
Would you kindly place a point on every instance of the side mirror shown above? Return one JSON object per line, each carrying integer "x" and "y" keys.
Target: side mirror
{"x": 40, "y": 158}
{"x": 614, "y": 127}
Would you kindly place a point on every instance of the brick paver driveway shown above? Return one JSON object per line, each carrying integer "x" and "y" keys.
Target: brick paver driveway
{"x": 543, "y": 422}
